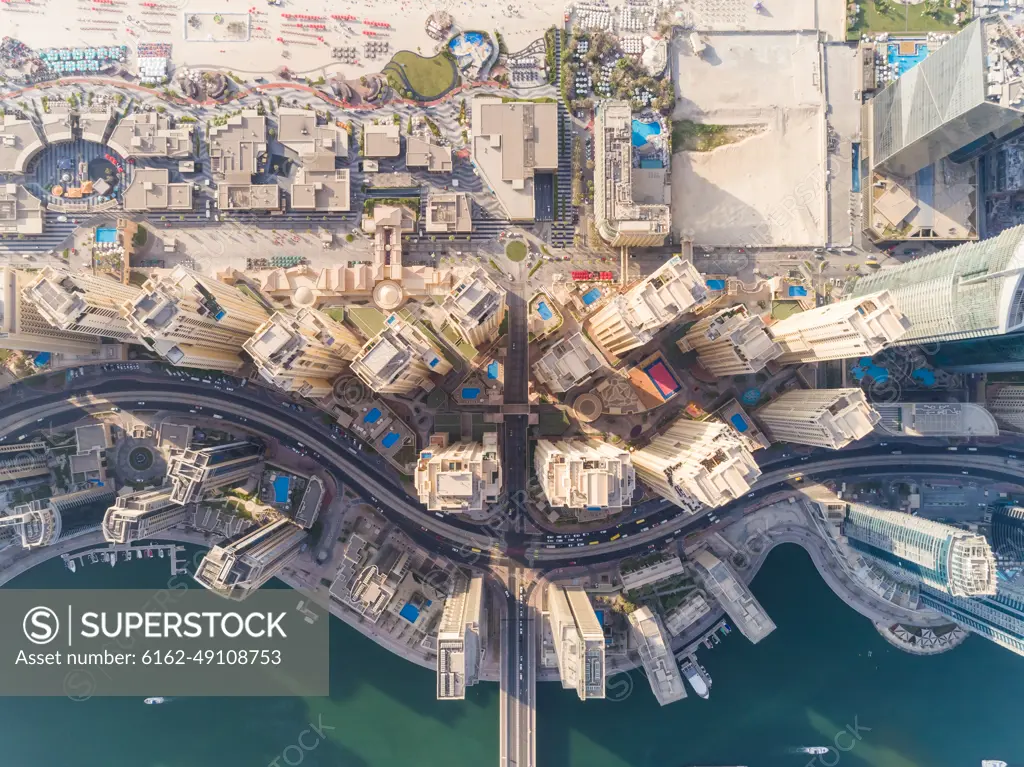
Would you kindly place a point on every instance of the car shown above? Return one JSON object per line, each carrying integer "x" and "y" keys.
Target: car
{"x": 972, "y": 449}
{"x": 952, "y": 449}
{"x": 140, "y": 402}
{"x": 115, "y": 409}
{"x": 39, "y": 420}
{"x": 507, "y": 595}
{"x": 964, "y": 472}
{"x": 193, "y": 411}
{"x": 883, "y": 444}
{"x": 218, "y": 416}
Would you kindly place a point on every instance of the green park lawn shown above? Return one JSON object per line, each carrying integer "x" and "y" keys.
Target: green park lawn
{"x": 428, "y": 77}
{"x": 899, "y": 18}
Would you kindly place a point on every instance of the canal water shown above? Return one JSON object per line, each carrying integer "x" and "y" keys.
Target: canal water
{"x": 824, "y": 677}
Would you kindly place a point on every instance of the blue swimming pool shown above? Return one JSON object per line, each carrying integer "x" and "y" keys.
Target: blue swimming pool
{"x": 544, "y": 311}
{"x": 855, "y": 164}
{"x": 372, "y": 416}
{"x": 865, "y": 367}
{"x": 738, "y": 422}
{"x": 925, "y": 376}
{"x": 715, "y": 284}
{"x": 281, "y": 485}
{"x": 904, "y": 62}
{"x": 642, "y": 130}
{"x": 410, "y": 612}
{"x": 106, "y": 235}
{"x": 751, "y": 396}
{"x": 493, "y": 370}
{"x": 591, "y": 296}
{"x": 470, "y": 393}
{"x": 474, "y": 38}
{"x": 797, "y": 291}
{"x": 390, "y": 439}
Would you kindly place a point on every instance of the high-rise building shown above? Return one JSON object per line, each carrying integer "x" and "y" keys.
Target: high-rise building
{"x": 82, "y": 303}
{"x": 193, "y": 321}
{"x": 579, "y": 640}
{"x": 476, "y": 306}
{"x": 302, "y": 352}
{"x": 236, "y": 569}
{"x": 42, "y": 522}
{"x": 1007, "y": 405}
{"x": 584, "y": 474}
{"x": 23, "y": 328}
{"x": 1007, "y": 534}
{"x": 399, "y": 359}
{"x": 999, "y": 617}
{"x": 944, "y": 557}
{"x": 966, "y": 92}
{"x": 972, "y": 290}
{"x": 696, "y": 464}
{"x": 830, "y": 418}
{"x": 656, "y": 656}
{"x": 633, "y": 318}
{"x": 619, "y": 218}
{"x": 734, "y": 597}
{"x": 194, "y": 473}
{"x": 459, "y": 638}
{"x": 143, "y": 514}
{"x": 856, "y": 327}
{"x": 568, "y": 363}
{"x": 732, "y": 342}
{"x": 459, "y": 476}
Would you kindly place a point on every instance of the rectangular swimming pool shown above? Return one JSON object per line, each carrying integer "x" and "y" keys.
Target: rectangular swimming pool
{"x": 106, "y": 235}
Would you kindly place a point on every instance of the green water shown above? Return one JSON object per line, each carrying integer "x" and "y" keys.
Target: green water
{"x": 801, "y": 686}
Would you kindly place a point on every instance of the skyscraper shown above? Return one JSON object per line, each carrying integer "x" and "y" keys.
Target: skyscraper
{"x": 569, "y": 362}
{"x": 579, "y": 640}
{"x": 830, "y": 418}
{"x": 236, "y": 569}
{"x": 972, "y": 290}
{"x": 946, "y": 558}
{"x": 633, "y": 318}
{"x": 399, "y": 359}
{"x": 999, "y": 617}
{"x": 732, "y": 342}
{"x": 82, "y": 303}
{"x": 1007, "y": 405}
{"x": 42, "y": 522}
{"x": 459, "y": 638}
{"x": 194, "y": 473}
{"x": 1007, "y": 534}
{"x": 459, "y": 476}
{"x": 193, "y": 321}
{"x": 856, "y": 327}
{"x": 584, "y": 474}
{"x": 476, "y": 306}
{"x": 23, "y": 328}
{"x": 696, "y": 464}
{"x": 142, "y": 514}
{"x": 302, "y": 352}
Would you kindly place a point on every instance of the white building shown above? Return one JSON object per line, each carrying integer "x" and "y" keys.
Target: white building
{"x": 82, "y": 303}
{"x": 460, "y": 643}
{"x": 476, "y": 307}
{"x": 584, "y": 474}
{"x": 633, "y": 318}
{"x": 696, "y": 464}
{"x": 302, "y": 352}
{"x": 568, "y": 363}
{"x": 579, "y": 640}
{"x": 399, "y": 359}
{"x": 685, "y": 615}
{"x": 935, "y": 419}
{"x": 856, "y": 327}
{"x": 142, "y": 514}
{"x": 734, "y": 597}
{"x": 236, "y": 569}
{"x": 656, "y": 656}
{"x": 955, "y": 561}
{"x": 23, "y": 328}
{"x": 194, "y": 473}
{"x": 461, "y": 476}
{"x": 830, "y": 418}
{"x": 732, "y": 342}
{"x": 666, "y": 567}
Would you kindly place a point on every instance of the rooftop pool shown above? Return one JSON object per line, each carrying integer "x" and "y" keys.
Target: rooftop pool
{"x": 644, "y": 130}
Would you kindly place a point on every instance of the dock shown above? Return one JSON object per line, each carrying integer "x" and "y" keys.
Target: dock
{"x": 111, "y": 555}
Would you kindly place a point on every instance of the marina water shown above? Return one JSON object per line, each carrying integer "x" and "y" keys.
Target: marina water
{"x": 824, "y": 678}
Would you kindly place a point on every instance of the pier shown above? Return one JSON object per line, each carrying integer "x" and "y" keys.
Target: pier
{"x": 110, "y": 555}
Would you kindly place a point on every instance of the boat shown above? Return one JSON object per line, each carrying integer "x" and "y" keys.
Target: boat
{"x": 695, "y": 679}
{"x": 149, "y": 553}
{"x": 93, "y": 559}
{"x": 993, "y": 763}
{"x": 154, "y": 701}
{"x": 138, "y": 554}
{"x": 71, "y": 565}
{"x": 161, "y": 553}
{"x": 812, "y": 750}
{"x": 113, "y": 558}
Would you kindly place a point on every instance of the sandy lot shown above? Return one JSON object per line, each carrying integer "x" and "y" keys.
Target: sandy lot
{"x": 768, "y": 189}
{"x": 731, "y": 15}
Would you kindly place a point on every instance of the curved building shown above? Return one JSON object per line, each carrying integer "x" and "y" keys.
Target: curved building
{"x": 1007, "y": 535}
{"x": 935, "y": 419}
{"x": 951, "y": 560}
{"x": 972, "y": 290}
